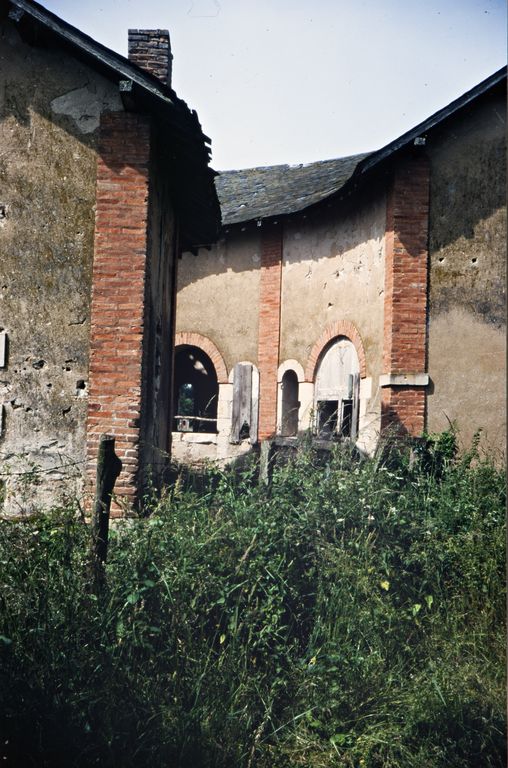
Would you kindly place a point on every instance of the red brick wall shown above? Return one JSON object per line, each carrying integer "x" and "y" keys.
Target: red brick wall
{"x": 269, "y": 327}
{"x": 118, "y": 292}
{"x": 406, "y": 269}
{"x": 150, "y": 49}
{"x": 202, "y": 342}
{"x": 333, "y": 331}
{"x": 403, "y": 409}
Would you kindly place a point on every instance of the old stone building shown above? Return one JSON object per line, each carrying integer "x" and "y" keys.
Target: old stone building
{"x": 352, "y": 295}
{"x": 341, "y": 297}
{"x": 104, "y": 179}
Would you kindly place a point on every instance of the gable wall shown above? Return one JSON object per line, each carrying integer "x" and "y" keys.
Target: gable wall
{"x": 467, "y": 330}
{"x": 50, "y": 107}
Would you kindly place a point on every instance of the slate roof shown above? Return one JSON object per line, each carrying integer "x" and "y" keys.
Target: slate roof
{"x": 274, "y": 190}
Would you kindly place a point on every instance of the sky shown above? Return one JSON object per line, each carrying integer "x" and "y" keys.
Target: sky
{"x": 294, "y": 81}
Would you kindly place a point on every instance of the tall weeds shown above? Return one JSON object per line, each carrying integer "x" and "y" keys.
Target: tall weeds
{"x": 351, "y": 614}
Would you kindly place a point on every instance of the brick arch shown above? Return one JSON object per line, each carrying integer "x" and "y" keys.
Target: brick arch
{"x": 196, "y": 340}
{"x": 339, "y": 328}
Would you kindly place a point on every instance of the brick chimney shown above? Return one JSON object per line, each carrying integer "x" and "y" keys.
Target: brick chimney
{"x": 150, "y": 49}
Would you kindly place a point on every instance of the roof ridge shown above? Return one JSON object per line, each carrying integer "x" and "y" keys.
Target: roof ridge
{"x": 294, "y": 166}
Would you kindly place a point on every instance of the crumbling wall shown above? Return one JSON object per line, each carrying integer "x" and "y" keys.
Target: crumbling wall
{"x": 467, "y": 249}
{"x": 333, "y": 270}
{"x": 49, "y": 114}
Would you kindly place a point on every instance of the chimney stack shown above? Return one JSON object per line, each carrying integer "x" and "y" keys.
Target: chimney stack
{"x": 150, "y": 49}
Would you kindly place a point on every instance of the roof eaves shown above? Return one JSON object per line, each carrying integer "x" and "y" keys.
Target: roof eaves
{"x": 431, "y": 122}
{"x": 327, "y": 185}
{"x": 159, "y": 98}
{"x": 117, "y": 65}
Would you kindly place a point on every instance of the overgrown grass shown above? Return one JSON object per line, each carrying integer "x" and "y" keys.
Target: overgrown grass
{"x": 350, "y": 615}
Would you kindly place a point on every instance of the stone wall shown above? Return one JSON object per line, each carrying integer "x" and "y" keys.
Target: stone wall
{"x": 467, "y": 333}
{"x": 50, "y": 108}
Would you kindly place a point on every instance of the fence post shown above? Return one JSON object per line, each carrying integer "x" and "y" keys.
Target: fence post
{"x": 108, "y": 469}
{"x": 267, "y": 454}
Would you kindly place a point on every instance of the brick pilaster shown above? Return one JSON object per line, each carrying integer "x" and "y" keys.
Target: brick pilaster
{"x": 269, "y": 327}
{"x": 405, "y": 302}
{"x": 118, "y": 292}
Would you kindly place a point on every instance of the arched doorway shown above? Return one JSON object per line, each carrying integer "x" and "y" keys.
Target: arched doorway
{"x": 336, "y": 392}
{"x": 196, "y": 391}
{"x": 290, "y": 404}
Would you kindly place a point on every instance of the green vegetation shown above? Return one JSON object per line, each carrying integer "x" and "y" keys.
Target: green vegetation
{"x": 351, "y": 614}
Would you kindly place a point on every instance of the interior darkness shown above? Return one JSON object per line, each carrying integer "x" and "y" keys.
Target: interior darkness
{"x": 347, "y": 418}
{"x": 327, "y": 418}
{"x": 196, "y": 391}
{"x": 290, "y": 404}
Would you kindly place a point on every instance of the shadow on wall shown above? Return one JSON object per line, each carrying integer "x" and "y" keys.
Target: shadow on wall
{"x": 238, "y": 249}
{"x": 392, "y": 428}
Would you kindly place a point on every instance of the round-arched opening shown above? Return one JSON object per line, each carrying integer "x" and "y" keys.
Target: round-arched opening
{"x": 290, "y": 404}
{"x": 196, "y": 391}
{"x": 336, "y": 391}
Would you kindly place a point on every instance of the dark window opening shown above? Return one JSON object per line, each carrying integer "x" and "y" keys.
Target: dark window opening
{"x": 290, "y": 404}
{"x": 347, "y": 419}
{"x": 196, "y": 391}
{"x": 327, "y": 418}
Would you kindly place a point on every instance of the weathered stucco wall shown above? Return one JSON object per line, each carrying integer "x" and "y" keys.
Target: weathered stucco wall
{"x": 218, "y": 295}
{"x": 49, "y": 114}
{"x": 334, "y": 270}
{"x": 467, "y": 275}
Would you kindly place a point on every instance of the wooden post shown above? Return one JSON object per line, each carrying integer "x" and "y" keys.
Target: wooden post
{"x": 108, "y": 469}
{"x": 266, "y": 462}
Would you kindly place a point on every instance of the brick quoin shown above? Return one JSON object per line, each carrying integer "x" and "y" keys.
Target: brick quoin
{"x": 118, "y": 293}
{"x": 405, "y": 304}
{"x": 269, "y": 327}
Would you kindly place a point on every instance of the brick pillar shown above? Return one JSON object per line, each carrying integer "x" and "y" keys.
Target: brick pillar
{"x": 269, "y": 327}
{"x": 118, "y": 292}
{"x": 150, "y": 49}
{"x": 405, "y": 305}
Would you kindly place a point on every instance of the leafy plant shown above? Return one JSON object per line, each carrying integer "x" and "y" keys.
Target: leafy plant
{"x": 350, "y": 614}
